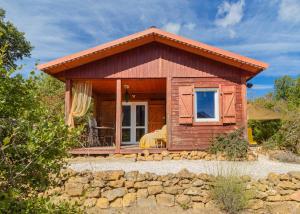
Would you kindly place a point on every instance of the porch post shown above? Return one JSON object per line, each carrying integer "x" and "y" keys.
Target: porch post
{"x": 168, "y": 112}
{"x": 68, "y": 99}
{"x": 244, "y": 103}
{"x": 118, "y": 114}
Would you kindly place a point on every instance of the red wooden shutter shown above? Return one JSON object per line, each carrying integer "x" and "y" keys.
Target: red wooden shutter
{"x": 186, "y": 104}
{"x": 228, "y": 103}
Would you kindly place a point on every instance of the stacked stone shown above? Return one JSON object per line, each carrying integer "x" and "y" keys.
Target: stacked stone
{"x": 117, "y": 189}
{"x": 184, "y": 155}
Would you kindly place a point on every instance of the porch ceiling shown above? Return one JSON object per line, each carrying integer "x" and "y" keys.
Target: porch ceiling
{"x": 138, "y": 86}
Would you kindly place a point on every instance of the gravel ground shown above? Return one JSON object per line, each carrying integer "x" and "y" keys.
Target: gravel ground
{"x": 256, "y": 169}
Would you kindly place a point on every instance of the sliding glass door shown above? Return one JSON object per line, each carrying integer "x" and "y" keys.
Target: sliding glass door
{"x": 134, "y": 122}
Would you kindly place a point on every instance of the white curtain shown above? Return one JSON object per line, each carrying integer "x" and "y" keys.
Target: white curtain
{"x": 82, "y": 96}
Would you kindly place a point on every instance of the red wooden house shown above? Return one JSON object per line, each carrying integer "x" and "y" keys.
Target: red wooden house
{"x": 152, "y": 78}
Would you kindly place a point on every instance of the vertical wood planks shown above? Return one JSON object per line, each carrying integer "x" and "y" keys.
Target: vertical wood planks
{"x": 68, "y": 99}
{"x": 118, "y": 115}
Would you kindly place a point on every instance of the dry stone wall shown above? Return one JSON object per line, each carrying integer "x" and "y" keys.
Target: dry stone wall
{"x": 119, "y": 189}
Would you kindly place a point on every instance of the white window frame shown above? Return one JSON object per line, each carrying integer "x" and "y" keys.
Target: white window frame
{"x": 217, "y": 105}
{"x": 133, "y": 125}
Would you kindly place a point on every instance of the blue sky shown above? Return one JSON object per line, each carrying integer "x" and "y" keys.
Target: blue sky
{"x": 267, "y": 30}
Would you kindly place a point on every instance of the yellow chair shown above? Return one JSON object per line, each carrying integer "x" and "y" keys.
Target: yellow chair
{"x": 250, "y": 137}
{"x": 156, "y": 139}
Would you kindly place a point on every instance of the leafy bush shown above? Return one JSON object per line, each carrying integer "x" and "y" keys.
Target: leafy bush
{"x": 33, "y": 139}
{"x": 263, "y": 130}
{"x": 284, "y": 156}
{"x": 288, "y": 136}
{"x": 233, "y": 145}
{"x": 10, "y": 205}
{"x": 230, "y": 193}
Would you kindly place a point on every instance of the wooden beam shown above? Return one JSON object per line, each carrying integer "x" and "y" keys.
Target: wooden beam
{"x": 244, "y": 103}
{"x": 168, "y": 112}
{"x": 118, "y": 115}
{"x": 68, "y": 99}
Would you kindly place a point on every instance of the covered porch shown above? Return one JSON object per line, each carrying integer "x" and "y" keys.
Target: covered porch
{"x": 123, "y": 110}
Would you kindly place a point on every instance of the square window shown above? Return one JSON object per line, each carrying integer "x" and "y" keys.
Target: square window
{"x": 206, "y": 105}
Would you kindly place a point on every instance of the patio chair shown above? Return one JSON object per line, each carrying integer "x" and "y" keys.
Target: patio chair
{"x": 93, "y": 137}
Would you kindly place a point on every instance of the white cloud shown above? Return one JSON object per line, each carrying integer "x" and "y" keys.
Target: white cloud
{"x": 172, "y": 27}
{"x": 289, "y": 10}
{"x": 190, "y": 26}
{"x": 262, "y": 87}
{"x": 230, "y": 14}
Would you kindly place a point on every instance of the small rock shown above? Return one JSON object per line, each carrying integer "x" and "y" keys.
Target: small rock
{"x": 167, "y": 200}
{"x": 154, "y": 183}
{"x": 273, "y": 177}
{"x": 129, "y": 184}
{"x": 74, "y": 189}
{"x": 284, "y": 177}
{"x": 93, "y": 192}
{"x": 142, "y": 193}
{"x": 140, "y": 185}
{"x": 114, "y": 193}
{"x": 295, "y": 196}
{"x": 129, "y": 199}
{"x": 131, "y": 176}
{"x": 255, "y": 204}
{"x": 147, "y": 202}
{"x": 102, "y": 203}
{"x": 294, "y": 174}
{"x": 198, "y": 183}
{"x": 193, "y": 191}
{"x": 185, "y": 174}
{"x": 117, "y": 183}
{"x": 172, "y": 190}
{"x": 274, "y": 198}
{"x": 153, "y": 190}
{"x": 146, "y": 153}
{"x": 90, "y": 202}
{"x": 287, "y": 185}
{"x": 198, "y": 205}
{"x": 117, "y": 203}
{"x": 164, "y": 153}
{"x": 183, "y": 199}
{"x": 112, "y": 175}
{"x": 157, "y": 157}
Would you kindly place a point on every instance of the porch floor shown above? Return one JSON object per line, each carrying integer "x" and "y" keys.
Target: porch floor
{"x": 112, "y": 150}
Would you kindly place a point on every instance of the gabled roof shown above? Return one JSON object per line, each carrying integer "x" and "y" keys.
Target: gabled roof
{"x": 150, "y": 35}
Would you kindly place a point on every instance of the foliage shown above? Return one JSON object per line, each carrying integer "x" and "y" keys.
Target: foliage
{"x": 288, "y": 136}
{"x": 16, "y": 45}
{"x": 33, "y": 138}
{"x": 233, "y": 145}
{"x": 230, "y": 193}
{"x": 10, "y": 205}
{"x": 263, "y": 130}
{"x": 284, "y": 156}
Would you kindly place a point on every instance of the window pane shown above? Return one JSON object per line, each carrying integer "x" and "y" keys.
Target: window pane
{"x": 125, "y": 135}
{"x": 139, "y": 133}
{"x": 205, "y": 104}
{"x": 126, "y": 115}
{"x": 140, "y": 115}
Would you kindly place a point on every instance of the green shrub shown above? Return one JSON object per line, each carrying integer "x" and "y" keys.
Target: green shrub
{"x": 263, "y": 130}
{"x": 288, "y": 136}
{"x": 34, "y": 205}
{"x": 230, "y": 193}
{"x": 233, "y": 145}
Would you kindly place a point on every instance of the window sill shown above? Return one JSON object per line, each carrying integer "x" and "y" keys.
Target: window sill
{"x": 213, "y": 123}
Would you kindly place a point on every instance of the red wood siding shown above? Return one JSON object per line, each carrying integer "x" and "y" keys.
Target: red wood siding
{"x": 153, "y": 60}
{"x": 199, "y": 136}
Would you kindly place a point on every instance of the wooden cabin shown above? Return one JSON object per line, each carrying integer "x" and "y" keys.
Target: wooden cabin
{"x": 154, "y": 78}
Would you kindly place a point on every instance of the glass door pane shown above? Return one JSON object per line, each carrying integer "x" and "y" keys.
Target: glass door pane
{"x": 140, "y": 122}
{"x": 126, "y": 115}
{"x": 140, "y": 115}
